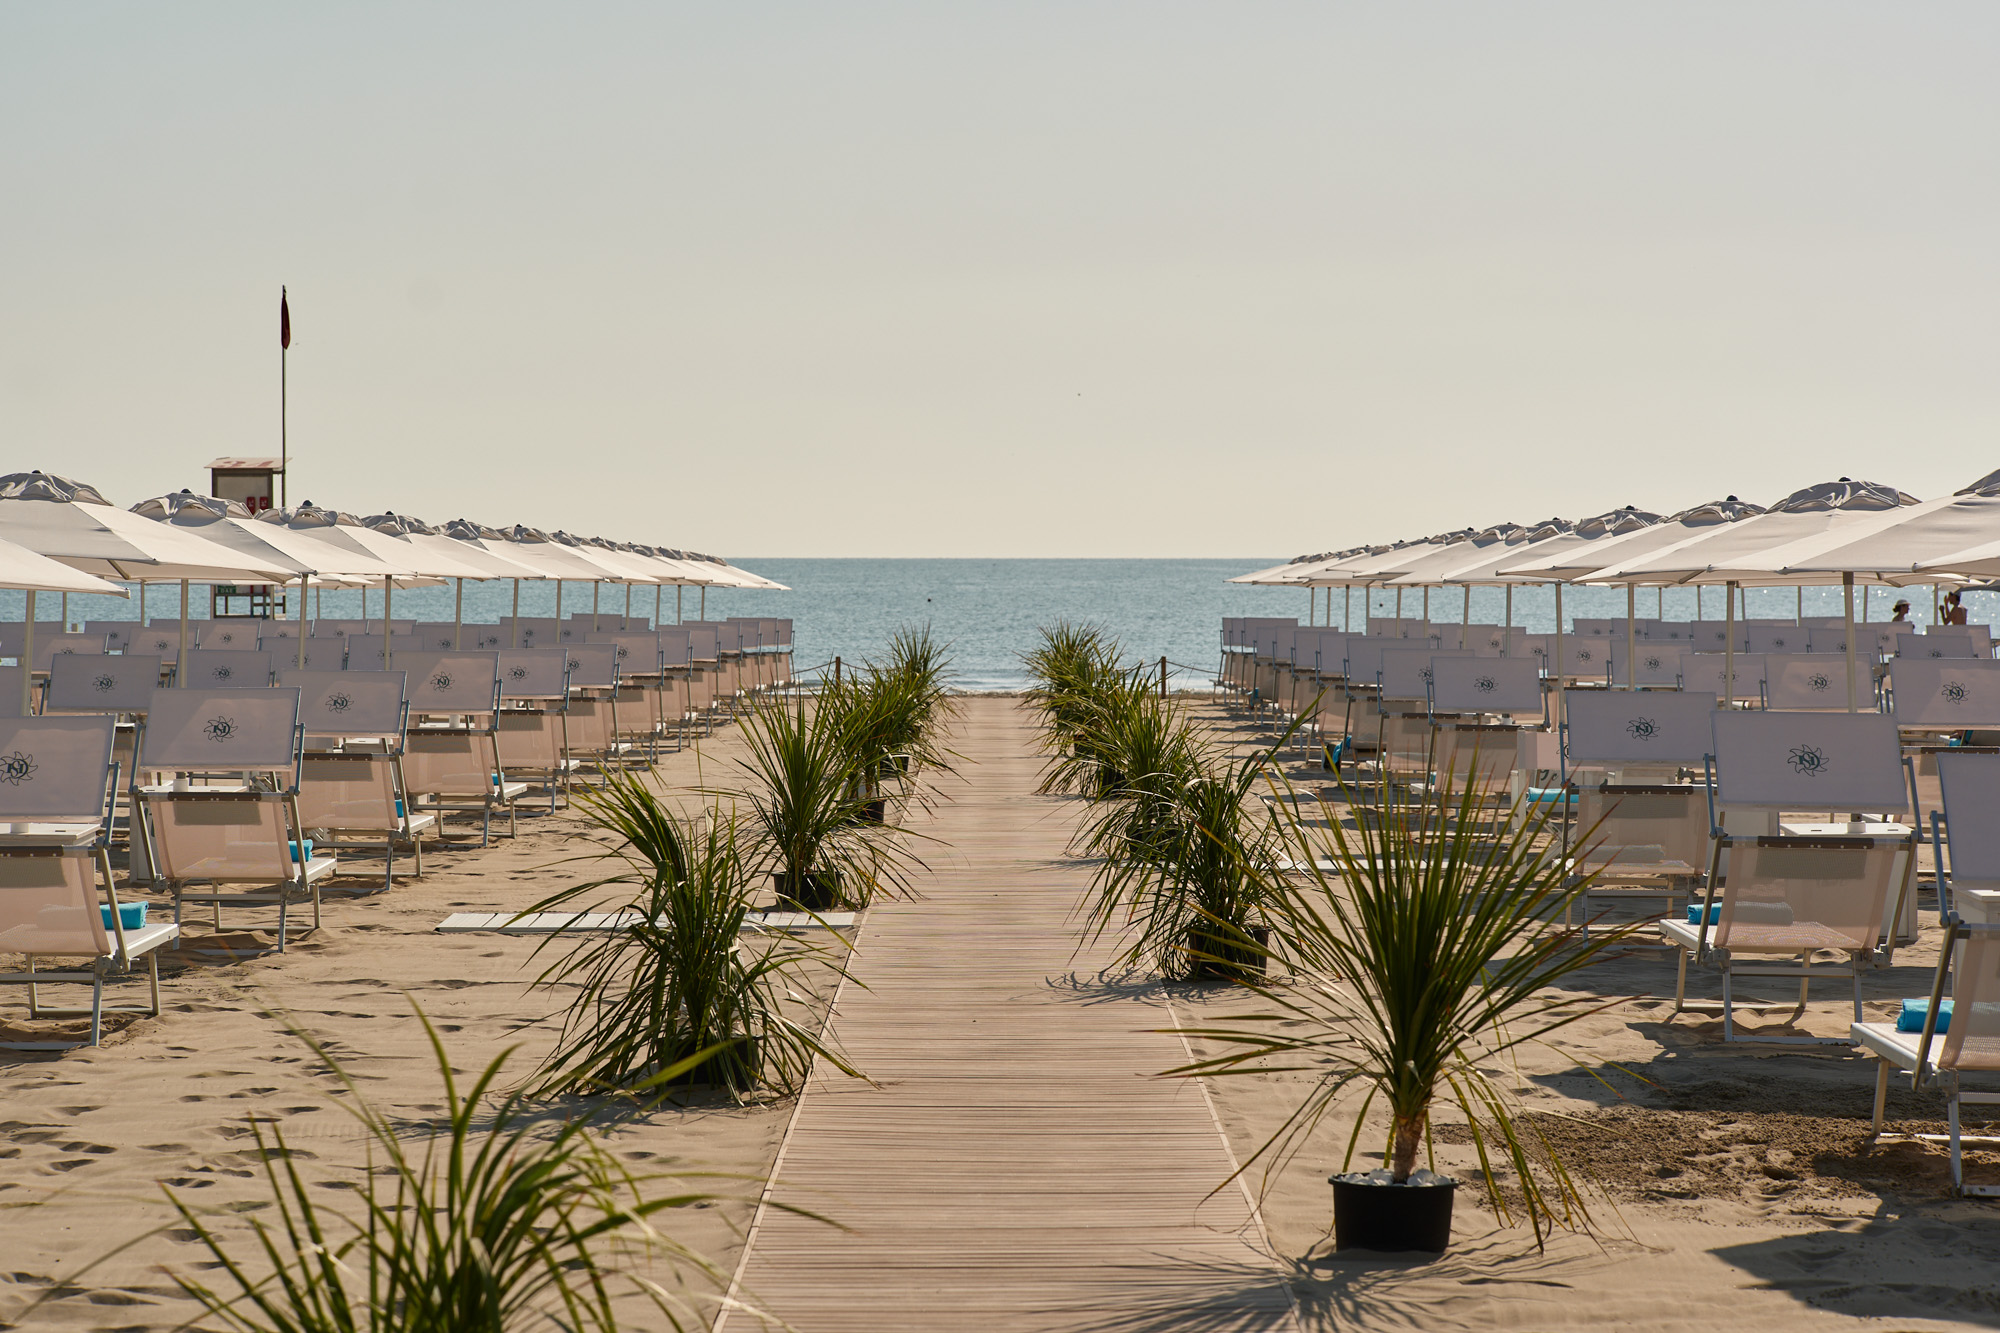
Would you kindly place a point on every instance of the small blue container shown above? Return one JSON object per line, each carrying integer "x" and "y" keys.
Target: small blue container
{"x": 308, "y": 847}
{"x": 132, "y": 916}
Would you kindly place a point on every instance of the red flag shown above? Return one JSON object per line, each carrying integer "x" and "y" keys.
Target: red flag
{"x": 284, "y": 321}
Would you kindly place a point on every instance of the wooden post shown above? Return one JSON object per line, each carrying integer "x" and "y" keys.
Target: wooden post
{"x": 1163, "y": 679}
{"x": 836, "y": 673}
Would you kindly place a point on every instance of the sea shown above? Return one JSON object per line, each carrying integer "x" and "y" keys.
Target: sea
{"x": 989, "y": 611}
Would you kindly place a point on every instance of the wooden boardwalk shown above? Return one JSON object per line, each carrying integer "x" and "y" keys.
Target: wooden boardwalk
{"x": 1020, "y": 1168}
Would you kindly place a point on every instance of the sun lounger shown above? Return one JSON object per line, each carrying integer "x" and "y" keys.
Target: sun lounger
{"x": 1959, "y": 1034}
{"x": 532, "y": 732}
{"x": 1781, "y": 900}
{"x": 351, "y": 776}
{"x": 217, "y": 823}
{"x": 451, "y": 755}
{"x": 57, "y": 784}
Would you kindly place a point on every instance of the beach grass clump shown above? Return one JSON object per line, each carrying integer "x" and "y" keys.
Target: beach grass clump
{"x": 1178, "y": 850}
{"x": 670, "y": 997}
{"x": 1076, "y": 673}
{"x": 493, "y": 1219}
{"x": 808, "y": 806}
{"x": 1418, "y": 965}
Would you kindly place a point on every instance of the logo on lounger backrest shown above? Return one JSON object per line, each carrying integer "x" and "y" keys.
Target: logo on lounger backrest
{"x": 1954, "y": 692}
{"x": 1643, "y": 729}
{"x": 338, "y": 702}
{"x": 223, "y": 672}
{"x": 1485, "y": 684}
{"x": 104, "y": 682}
{"x": 441, "y": 681}
{"x": 1653, "y": 664}
{"x": 1808, "y": 761}
{"x": 517, "y": 673}
{"x": 1818, "y": 682}
{"x": 220, "y": 729}
{"x": 1585, "y": 655}
{"x": 1937, "y": 652}
{"x": 17, "y": 768}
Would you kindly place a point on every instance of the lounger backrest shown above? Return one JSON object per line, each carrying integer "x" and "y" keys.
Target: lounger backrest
{"x": 444, "y": 636}
{"x": 115, "y": 632}
{"x": 1787, "y": 896}
{"x": 48, "y": 905}
{"x": 702, "y": 645}
{"x": 222, "y": 730}
{"x": 1970, "y": 788}
{"x": 225, "y": 669}
{"x": 1814, "y": 681}
{"x": 1839, "y": 762}
{"x": 1611, "y": 728}
{"x": 1406, "y": 672}
{"x": 1710, "y": 636}
{"x": 1973, "y": 1039}
{"x": 1776, "y": 638}
{"x": 1673, "y": 631}
{"x": 10, "y": 690}
{"x": 50, "y": 647}
{"x": 1657, "y": 664}
{"x": 467, "y": 682}
{"x": 592, "y": 665}
{"x": 1936, "y": 645}
{"x": 164, "y": 644}
{"x": 370, "y": 652}
{"x": 1597, "y": 627}
{"x": 1945, "y": 692}
{"x": 1588, "y": 659}
{"x": 534, "y": 631}
{"x": 638, "y": 654}
{"x": 534, "y": 673}
{"x": 217, "y": 635}
{"x": 349, "y": 703}
{"x": 55, "y": 769}
{"x": 1703, "y": 672}
{"x": 280, "y": 631}
{"x": 1833, "y": 639}
{"x": 676, "y": 647}
{"x": 1972, "y": 638}
{"x": 1485, "y": 685}
{"x": 121, "y": 684}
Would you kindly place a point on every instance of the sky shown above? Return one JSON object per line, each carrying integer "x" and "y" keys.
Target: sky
{"x": 1078, "y": 279}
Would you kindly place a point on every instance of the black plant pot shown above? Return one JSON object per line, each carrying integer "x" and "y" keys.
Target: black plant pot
{"x": 1109, "y": 781}
{"x": 1368, "y": 1216}
{"x": 818, "y": 893}
{"x": 1219, "y": 957}
{"x": 875, "y": 811}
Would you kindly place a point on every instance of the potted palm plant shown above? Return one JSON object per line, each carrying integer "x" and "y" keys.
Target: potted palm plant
{"x": 1424, "y": 954}
{"x": 670, "y": 997}
{"x": 805, "y": 807}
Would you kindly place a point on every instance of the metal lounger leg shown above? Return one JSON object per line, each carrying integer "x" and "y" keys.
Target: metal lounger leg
{"x": 1881, "y": 1092}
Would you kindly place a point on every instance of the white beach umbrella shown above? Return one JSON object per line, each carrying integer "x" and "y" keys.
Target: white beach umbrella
{"x": 1729, "y": 554}
{"x": 29, "y": 571}
{"x": 228, "y": 523}
{"x": 73, "y": 524}
{"x": 1896, "y": 546}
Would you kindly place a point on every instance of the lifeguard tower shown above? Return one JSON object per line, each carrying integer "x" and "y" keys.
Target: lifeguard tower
{"x": 252, "y": 483}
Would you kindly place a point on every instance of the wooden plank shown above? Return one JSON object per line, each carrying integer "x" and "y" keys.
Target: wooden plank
{"x": 545, "y": 923}
{"x": 1020, "y": 1166}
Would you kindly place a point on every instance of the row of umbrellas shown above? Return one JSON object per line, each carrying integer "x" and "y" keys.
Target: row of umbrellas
{"x": 1836, "y": 531}
{"x": 59, "y": 535}
{"x": 1842, "y": 531}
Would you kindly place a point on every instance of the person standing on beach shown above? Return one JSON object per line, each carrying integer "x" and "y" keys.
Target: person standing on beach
{"x": 1902, "y": 613}
{"x": 1954, "y": 613}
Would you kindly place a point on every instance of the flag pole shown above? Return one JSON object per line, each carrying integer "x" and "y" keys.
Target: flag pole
{"x": 284, "y": 442}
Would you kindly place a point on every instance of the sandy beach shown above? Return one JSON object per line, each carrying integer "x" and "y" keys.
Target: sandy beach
{"x": 1733, "y": 1187}
{"x": 91, "y": 1136}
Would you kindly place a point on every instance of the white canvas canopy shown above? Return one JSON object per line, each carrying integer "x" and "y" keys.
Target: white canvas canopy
{"x": 1897, "y": 546}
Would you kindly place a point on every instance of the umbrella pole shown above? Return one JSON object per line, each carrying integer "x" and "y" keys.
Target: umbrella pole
{"x": 302, "y": 620}
{"x": 65, "y": 613}
{"x": 180, "y": 663}
{"x": 517, "y": 613}
{"x": 659, "y": 595}
{"x": 1799, "y": 616}
{"x": 28, "y": 662}
{"x": 1631, "y": 635}
{"x": 1399, "y": 613}
{"x": 1427, "y": 611}
{"x": 703, "y": 613}
{"x": 559, "y": 584}
{"x": 1347, "y": 608}
{"x": 1558, "y": 664}
{"x": 1729, "y": 643}
{"x": 596, "y": 592}
{"x": 1510, "y": 607}
{"x": 628, "y": 609}
{"x": 458, "y": 618}
{"x": 388, "y": 626}
{"x": 142, "y": 603}
{"x": 1847, "y": 608}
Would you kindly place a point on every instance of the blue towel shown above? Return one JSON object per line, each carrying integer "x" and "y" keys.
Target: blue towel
{"x": 131, "y": 915}
{"x": 309, "y": 850}
{"x": 1550, "y": 795}
{"x": 1694, "y": 914}
{"x": 399, "y": 809}
{"x": 1912, "y": 1017}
